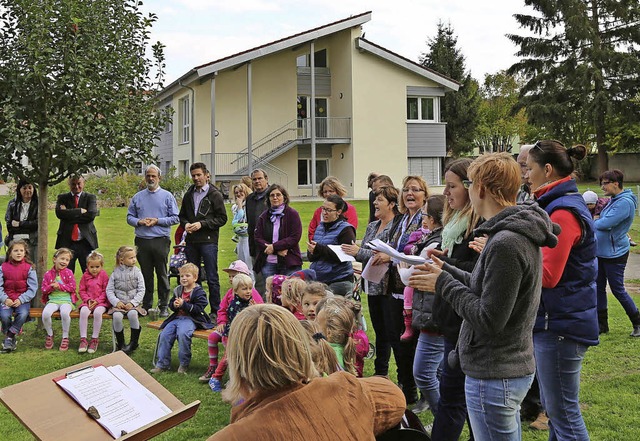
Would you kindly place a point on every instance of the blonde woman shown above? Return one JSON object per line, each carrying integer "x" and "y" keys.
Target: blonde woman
{"x": 240, "y": 224}
{"x": 271, "y": 369}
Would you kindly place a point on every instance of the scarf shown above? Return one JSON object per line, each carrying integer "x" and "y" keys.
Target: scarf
{"x": 453, "y": 232}
{"x": 276, "y": 213}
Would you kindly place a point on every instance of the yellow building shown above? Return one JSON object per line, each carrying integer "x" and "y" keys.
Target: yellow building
{"x": 353, "y": 108}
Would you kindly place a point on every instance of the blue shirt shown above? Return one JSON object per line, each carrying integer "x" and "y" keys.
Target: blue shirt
{"x": 158, "y": 204}
{"x": 198, "y": 196}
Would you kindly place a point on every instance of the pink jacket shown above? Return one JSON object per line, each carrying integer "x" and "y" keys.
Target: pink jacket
{"x": 362, "y": 349}
{"x": 224, "y": 304}
{"x": 94, "y": 288}
{"x": 68, "y": 284}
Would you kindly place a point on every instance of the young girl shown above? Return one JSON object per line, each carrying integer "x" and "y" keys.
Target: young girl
{"x": 125, "y": 292}
{"x": 242, "y": 296}
{"x": 239, "y": 223}
{"x": 273, "y": 288}
{"x": 18, "y": 287}
{"x": 93, "y": 293}
{"x": 323, "y": 355}
{"x": 58, "y": 293}
{"x": 313, "y": 293}
{"x": 338, "y": 322}
{"x": 292, "y": 290}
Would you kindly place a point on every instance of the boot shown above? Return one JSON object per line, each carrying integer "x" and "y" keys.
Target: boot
{"x": 119, "y": 340}
{"x": 133, "y": 344}
{"x": 603, "y": 321}
{"x": 408, "y": 330}
{"x": 635, "y": 321}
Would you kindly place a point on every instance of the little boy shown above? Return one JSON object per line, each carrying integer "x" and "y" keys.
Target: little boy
{"x": 188, "y": 303}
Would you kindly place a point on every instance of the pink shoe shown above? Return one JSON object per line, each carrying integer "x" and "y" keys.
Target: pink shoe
{"x": 93, "y": 345}
{"x": 48, "y": 342}
{"x": 83, "y": 346}
{"x": 64, "y": 344}
{"x": 408, "y": 330}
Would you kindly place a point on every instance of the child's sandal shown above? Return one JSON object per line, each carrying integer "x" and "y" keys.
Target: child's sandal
{"x": 64, "y": 344}
{"x": 48, "y": 342}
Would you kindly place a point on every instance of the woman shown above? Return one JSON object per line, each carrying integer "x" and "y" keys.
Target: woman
{"x": 330, "y": 186}
{"x": 22, "y": 217}
{"x": 459, "y": 221}
{"x": 272, "y": 372}
{"x": 498, "y": 299}
{"x": 567, "y": 322}
{"x": 386, "y": 212}
{"x": 277, "y": 235}
{"x": 333, "y": 230}
{"x": 240, "y": 225}
{"x": 613, "y": 247}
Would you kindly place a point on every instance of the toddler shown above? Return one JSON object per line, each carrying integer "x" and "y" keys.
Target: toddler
{"x": 58, "y": 293}
{"x": 313, "y": 293}
{"x": 292, "y": 290}
{"x": 125, "y": 292}
{"x": 93, "y": 293}
{"x": 338, "y": 322}
{"x": 273, "y": 288}
{"x": 323, "y": 355}
{"x": 18, "y": 287}
{"x": 188, "y": 303}
{"x": 241, "y": 296}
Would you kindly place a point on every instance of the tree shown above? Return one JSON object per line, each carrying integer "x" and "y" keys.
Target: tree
{"x": 459, "y": 110}
{"x": 582, "y": 65}
{"x": 499, "y": 126}
{"x": 75, "y": 91}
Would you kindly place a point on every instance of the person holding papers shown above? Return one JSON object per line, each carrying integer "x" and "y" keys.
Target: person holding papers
{"x": 333, "y": 230}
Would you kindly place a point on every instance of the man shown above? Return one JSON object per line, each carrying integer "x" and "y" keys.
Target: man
{"x": 201, "y": 215}
{"x": 525, "y": 192}
{"x": 152, "y": 212}
{"x": 76, "y": 211}
{"x": 372, "y": 197}
{"x": 256, "y": 203}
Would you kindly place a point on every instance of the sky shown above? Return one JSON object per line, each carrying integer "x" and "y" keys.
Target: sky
{"x": 196, "y": 32}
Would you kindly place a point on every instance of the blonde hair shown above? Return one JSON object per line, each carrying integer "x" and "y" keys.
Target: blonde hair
{"x": 95, "y": 256}
{"x": 242, "y": 186}
{"x": 421, "y": 183}
{"x": 333, "y": 183}
{"x": 292, "y": 290}
{"x": 61, "y": 251}
{"x": 189, "y": 268}
{"x": 122, "y": 251}
{"x": 499, "y": 174}
{"x": 323, "y": 355}
{"x": 340, "y": 323}
{"x": 241, "y": 280}
{"x": 459, "y": 167}
{"x": 317, "y": 289}
{"x": 268, "y": 285}
{"x": 268, "y": 350}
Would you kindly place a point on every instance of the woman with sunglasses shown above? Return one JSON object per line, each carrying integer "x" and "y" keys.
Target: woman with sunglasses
{"x": 567, "y": 322}
{"x": 332, "y": 230}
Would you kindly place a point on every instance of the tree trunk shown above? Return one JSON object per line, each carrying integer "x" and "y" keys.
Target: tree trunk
{"x": 43, "y": 235}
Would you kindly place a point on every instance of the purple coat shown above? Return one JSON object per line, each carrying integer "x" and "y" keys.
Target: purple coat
{"x": 289, "y": 236}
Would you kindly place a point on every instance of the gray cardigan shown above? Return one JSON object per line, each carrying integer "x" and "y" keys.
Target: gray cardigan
{"x": 498, "y": 301}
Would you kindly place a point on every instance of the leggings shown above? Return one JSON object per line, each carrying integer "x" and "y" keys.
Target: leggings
{"x": 132, "y": 315}
{"x": 97, "y": 321}
{"x": 65, "y": 315}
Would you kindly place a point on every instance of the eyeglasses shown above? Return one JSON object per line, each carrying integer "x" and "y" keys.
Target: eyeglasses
{"x": 466, "y": 183}
{"x": 412, "y": 190}
{"x": 327, "y": 210}
{"x": 605, "y": 183}
{"x": 276, "y": 195}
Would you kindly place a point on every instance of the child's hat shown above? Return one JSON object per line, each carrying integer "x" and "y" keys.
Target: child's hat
{"x": 308, "y": 275}
{"x": 590, "y": 197}
{"x": 238, "y": 266}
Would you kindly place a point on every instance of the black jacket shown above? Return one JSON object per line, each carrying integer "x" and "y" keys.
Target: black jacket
{"x": 211, "y": 213}
{"x": 71, "y": 215}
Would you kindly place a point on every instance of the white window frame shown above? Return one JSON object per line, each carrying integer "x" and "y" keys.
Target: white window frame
{"x": 436, "y": 109}
{"x": 169, "y": 126}
{"x": 308, "y": 160}
{"x": 185, "y": 120}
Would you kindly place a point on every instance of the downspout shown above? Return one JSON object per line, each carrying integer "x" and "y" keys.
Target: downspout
{"x": 249, "y": 121}
{"x": 193, "y": 122}
{"x": 313, "y": 119}
{"x": 213, "y": 127}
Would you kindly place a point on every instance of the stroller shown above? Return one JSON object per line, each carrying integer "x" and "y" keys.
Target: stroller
{"x": 179, "y": 257}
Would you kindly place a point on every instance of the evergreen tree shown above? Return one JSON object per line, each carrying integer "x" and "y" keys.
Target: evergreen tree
{"x": 459, "y": 110}
{"x": 582, "y": 66}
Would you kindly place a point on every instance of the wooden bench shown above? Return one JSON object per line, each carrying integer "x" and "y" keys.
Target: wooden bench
{"x": 198, "y": 333}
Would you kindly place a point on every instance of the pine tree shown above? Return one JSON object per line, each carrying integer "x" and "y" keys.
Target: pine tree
{"x": 459, "y": 110}
{"x": 582, "y": 66}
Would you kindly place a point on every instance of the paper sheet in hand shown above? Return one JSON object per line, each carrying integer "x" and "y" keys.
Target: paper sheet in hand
{"x": 374, "y": 273}
{"x": 344, "y": 257}
{"x": 378, "y": 245}
{"x": 122, "y": 403}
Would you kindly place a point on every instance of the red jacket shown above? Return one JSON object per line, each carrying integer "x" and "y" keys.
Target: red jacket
{"x": 94, "y": 288}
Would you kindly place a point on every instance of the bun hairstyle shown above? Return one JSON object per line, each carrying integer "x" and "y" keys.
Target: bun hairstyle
{"x": 554, "y": 153}
{"x": 123, "y": 251}
{"x": 323, "y": 355}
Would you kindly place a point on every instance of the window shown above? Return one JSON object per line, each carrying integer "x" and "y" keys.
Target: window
{"x": 304, "y": 171}
{"x": 320, "y": 59}
{"x": 422, "y": 108}
{"x": 185, "y": 121}
{"x": 168, "y": 128}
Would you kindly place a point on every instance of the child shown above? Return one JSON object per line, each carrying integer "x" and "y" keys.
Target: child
{"x": 338, "y": 322}
{"x": 188, "y": 303}
{"x": 313, "y": 293}
{"x": 93, "y": 292}
{"x": 292, "y": 290}
{"x": 323, "y": 355}
{"x": 18, "y": 286}
{"x": 273, "y": 286}
{"x": 125, "y": 292}
{"x": 240, "y": 296}
{"x": 58, "y": 293}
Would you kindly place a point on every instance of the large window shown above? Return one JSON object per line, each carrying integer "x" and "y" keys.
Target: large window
{"x": 304, "y": 171}
{"x": 421, "y": 108}
{"x": 185, "y": 120}
{"x": 320, "y": 59}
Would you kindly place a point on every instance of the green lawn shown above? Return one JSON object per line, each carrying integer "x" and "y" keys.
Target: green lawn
{"x": 610, "y": 383}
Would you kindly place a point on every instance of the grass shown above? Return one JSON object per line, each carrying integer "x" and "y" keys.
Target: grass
{"x": 610, "y": 380}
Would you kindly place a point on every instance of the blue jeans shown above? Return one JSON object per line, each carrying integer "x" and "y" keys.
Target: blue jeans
{"x": 614, "y": 273}
{"x": 22, "y": 314}
{"x": 343, "y": 288}
{"x": 182, "y": 328}
{"x": 494, "y": 406}
{"x": 427, "y": 367}
{"x": 558, "y": 364}
{"x": 207, "y": 253}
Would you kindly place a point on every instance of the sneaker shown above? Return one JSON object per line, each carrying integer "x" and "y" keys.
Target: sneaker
{"x": 428, "y": 428}
{"x": 215, "y": 384}
{"x": 157, "y": 370}
{"x": 164, "y": 312}
{"x": 9, "y": 344}
{"x": 93, "y": 345}
{"x": 182, "y": 369}
{"x": 207, "y": 375}
{"x": 541, "y": 423}
{"x": 420, "y": 406}
{"x": 64, "y": 344}
{"x": 84, "y": 345}
{"x": 636, "y": 332}
{"x": 48, "y": 342}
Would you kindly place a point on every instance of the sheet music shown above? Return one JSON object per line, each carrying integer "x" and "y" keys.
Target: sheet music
{"x": 374, "y": 273}
{"x": 122, "y": 403}
{"x": 382, "y": 247}
{"x": 344, "y": 257}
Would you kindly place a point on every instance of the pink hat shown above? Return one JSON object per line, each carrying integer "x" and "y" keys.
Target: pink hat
{"x": 238, "y": 266}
